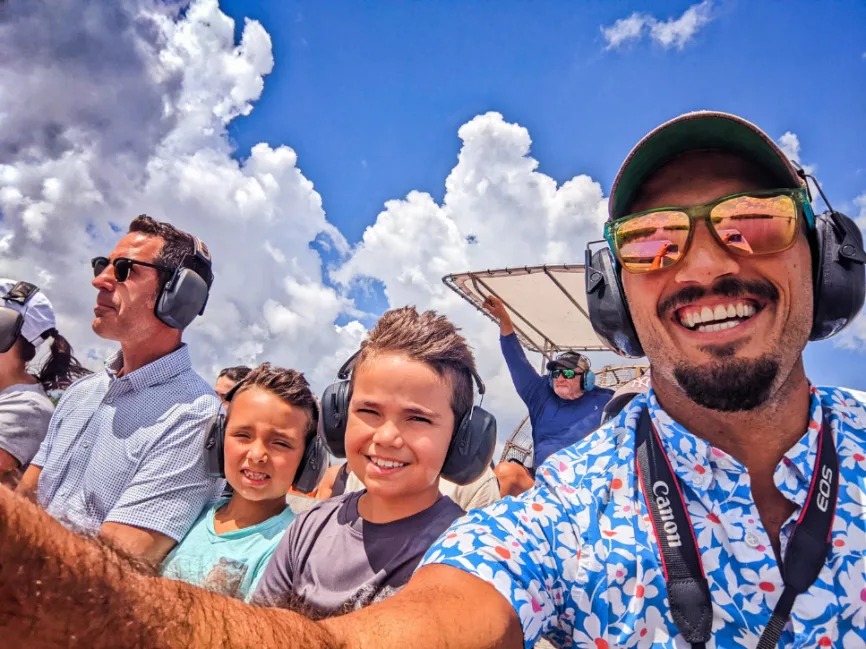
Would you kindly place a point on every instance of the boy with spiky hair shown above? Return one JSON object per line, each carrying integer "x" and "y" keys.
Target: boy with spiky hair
{"x": 411, "y": 385}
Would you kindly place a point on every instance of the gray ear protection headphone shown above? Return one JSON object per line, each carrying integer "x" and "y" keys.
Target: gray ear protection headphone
{"x": 11, "y": 321}
{"x": 838, "y": 281}
{"x": 472, "y": 445}
{"x": 184, "y": 296}
{"x": 310, "y": 471}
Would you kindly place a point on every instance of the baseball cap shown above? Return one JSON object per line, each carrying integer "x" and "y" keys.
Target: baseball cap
{"x": 37, "y": 311}
{"x": 697, "y": 131}
{"x": 568, "y": 361}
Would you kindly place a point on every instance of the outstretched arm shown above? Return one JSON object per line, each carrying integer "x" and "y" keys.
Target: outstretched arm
{"x": 61, "y": 590}
{"x": 526, "y": 380}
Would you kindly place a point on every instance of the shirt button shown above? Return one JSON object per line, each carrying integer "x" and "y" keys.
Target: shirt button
{"x": 752, "y": 540}
{"x": 700, "y": 480}
{"x": 85, "y": 444}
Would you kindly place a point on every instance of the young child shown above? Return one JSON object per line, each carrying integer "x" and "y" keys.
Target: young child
{"x": 411, "y": 385}
{"x": 272, "y": 418}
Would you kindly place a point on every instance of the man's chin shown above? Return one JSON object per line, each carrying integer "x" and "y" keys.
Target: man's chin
{"x": 729, "y": 385}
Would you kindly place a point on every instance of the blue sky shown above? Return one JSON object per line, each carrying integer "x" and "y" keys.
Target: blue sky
{"x": 371, "y": 95}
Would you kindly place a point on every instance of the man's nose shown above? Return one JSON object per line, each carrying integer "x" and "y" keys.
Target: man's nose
{"x": 106, "y": 280}
{"x": 706, "y": 261}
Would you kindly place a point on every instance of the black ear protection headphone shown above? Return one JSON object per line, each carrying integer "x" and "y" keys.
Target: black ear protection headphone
{"x": 471, "y": 448}
{"x": 839, "y": 283}
{"x": 11, "y": 321}
{"x": 185, "y": 295}
{"x": 310, "y": 471}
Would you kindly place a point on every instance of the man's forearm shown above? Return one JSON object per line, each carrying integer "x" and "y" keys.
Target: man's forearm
{"x": 61, "y": 590}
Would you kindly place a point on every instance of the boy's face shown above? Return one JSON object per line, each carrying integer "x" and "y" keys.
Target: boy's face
{"x": 264, "y": 444}
{"x": 399, "y": 426}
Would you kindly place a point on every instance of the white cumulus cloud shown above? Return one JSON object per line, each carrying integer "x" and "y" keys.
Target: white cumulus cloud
{"x": 672, "y": 33}
{"x": 108, "y": 110}
{"x": 498, "y": 211}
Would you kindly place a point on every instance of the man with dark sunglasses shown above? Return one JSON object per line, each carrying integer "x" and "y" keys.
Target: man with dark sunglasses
{"x": 743, "y": 447}
{"x": 122, "y": 457}
{"x": 564, "y": 406}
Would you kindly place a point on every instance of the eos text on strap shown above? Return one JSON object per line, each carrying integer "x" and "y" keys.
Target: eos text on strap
{"x": 687, "y": 587}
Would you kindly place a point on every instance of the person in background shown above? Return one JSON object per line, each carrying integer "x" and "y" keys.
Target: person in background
{"x": 272, "y": 418}
{"x": 564, "y": 404}
{"x": 227, "y": 379}
{"x": 410, "y": 386}
{"x": 25, "y": 408}
{"x": 122, "y": 456}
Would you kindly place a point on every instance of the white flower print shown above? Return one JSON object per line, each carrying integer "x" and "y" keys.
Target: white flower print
{"x": 650, "y": 630}
{"x": 761, "y": 588}
{"x": 853, "y": 596}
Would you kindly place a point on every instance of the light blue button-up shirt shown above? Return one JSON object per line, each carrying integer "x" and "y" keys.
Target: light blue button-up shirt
{"x": 130, "y": 450}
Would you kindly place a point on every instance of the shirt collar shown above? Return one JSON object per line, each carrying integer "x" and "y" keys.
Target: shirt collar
{"x": 156, "y": 372}
{"x": 693, "y": 458}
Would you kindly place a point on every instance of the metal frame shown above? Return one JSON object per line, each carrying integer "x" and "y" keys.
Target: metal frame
{"x": 549, "y": 349}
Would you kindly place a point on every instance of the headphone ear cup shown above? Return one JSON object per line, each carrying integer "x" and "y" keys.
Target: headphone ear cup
{"x": 588, "y": 380}
{"x": 839, "y": 283}
{"x": 214, "y": 446}
{"x": 313, "y": 465}
{"x": 335, "y": 412}
{"x": 471, "y": 449}
{"x": 608, "y": 310}
{"x": 182, "y": 299}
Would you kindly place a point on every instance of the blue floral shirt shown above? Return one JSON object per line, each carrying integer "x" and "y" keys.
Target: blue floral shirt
{"x": 577, "y": 558}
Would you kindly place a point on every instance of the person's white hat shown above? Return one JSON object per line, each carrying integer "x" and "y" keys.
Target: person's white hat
{"x": 37, "y": 311}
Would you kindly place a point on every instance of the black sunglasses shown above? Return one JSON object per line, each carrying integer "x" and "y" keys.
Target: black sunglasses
{"x": 122, "y": 266}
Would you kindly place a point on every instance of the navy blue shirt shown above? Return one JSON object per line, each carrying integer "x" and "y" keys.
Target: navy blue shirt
{"x": 556, "y": 422}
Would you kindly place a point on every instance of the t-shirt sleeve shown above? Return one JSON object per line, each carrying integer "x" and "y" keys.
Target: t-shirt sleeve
{"x": 275, "y": 585}
{"x": 24, "y": 420}
{"x": 519, "y": 547}
{"x": 171, "y": 486}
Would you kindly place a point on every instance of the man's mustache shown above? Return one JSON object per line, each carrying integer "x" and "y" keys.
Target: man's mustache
{"x": 725, "y": 287}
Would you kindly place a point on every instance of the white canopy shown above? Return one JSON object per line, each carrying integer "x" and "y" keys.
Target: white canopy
{"x": 546, "y": 303}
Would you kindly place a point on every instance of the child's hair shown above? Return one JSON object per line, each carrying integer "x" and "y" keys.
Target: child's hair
{"x": 432, "y": 339}
{"x": 288, "y": 385}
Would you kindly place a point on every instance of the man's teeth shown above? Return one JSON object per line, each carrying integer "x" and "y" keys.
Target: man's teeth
{"x": 252, "y": 475}
{"x": 386, "y": 464}
{"x": 717, "y": 319}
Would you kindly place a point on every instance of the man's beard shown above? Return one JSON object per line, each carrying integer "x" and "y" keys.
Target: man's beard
{"x": 729, "y": 385}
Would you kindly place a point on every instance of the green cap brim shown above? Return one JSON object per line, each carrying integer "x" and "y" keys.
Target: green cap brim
{"x": 704, "y": 130}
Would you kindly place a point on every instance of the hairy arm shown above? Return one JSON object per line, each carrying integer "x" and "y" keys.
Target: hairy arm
{"x": 61, "y": 590}
{"x": 29, "y": 482}
{"x": 441, "y": 606}
{"x": 147, "y": 545}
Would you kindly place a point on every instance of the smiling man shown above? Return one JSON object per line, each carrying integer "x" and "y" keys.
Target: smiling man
{"x": 122, "y": 457}
{"x": 752, "y": 478}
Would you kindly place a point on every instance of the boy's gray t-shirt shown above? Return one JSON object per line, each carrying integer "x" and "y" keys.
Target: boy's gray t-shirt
{"x": 331, "y": 561}
{"x": 25, "y": 411}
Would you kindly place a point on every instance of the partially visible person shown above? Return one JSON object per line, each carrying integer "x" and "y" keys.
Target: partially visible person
{"x": 564, "y": 405}
{"x": 411, "y": 387}
{"x": 228, "y": 378}
{"x": 624, "y": 395}
{"x": 25, "y": 407}
{"x": 272, "y": 420}
{"x": 475, "y": 495}
{"x": 122, "y": 456}
{"x": 513, "y": 478}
